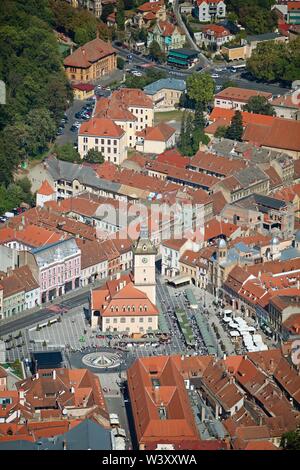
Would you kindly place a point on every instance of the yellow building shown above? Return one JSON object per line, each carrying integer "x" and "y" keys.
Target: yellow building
{"x": 234, "y": 52}
{"x": 91, "y": 61}
{"x": 82, "y": 91}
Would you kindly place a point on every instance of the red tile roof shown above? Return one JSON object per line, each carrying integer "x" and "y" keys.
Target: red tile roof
{"x": 162, "y": 132}
{"x": 209, "y": 162}
{"x": 45, "y": 189}
{"x": 216, "y": 30}
{"x": 281, "y": 134}
{"x": 127, "y": 300}
{"x": 151, "y": 6}
{"x": 29, "y": 235}
{"x": 91, "y": 52}
{"x": 215, "y": 228}
{"x": 227, "y": 114}
{"x": 240, "y": 94}
{"x": 173, "y": 157}
{"x": 117, "y": 106}
{"x": 101, "y": 127}
{"x": 160, "y": 403}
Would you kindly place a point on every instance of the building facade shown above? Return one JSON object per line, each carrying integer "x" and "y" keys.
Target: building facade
{"x": 91, "y": 61}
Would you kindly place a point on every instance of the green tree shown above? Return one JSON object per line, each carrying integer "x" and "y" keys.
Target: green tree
{"x": 93, "y": 156}
{"x": 272, "y": 61}
{"x": 259, "y": 105}
{"x": 235, "y": 130}
{"x": 120, "y": 15}
{"x": 221, "y": 132}
{"x": 199, "y": 120}
{"x": 291, "y": 440}
{"x": 228, "y": 84}
{"x": 67, "y": 152}
{"x": 255, "y": 16}
{"x": 120, "y": 63}
{"x": 200, "y": 87}
{"x": 42, "y": 129}
{"x": 106, "y": 11}
{"x": 156, "y": 52}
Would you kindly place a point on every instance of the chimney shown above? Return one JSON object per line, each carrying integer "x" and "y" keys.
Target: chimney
{"x": 54, "y": 374}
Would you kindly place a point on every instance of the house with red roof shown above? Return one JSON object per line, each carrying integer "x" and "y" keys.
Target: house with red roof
{"x": 156, "y": 139}
{"x": 235, "y": 98}
{"x": 149, "y": 12}
{"x": 213, "y": 35}
{"x": 91, "y": 61}
{"x": 167, "y": 35}
{"x": 44, "y": 194}
{"x": 105, "y": 136}
{"x": 129, "y": 108}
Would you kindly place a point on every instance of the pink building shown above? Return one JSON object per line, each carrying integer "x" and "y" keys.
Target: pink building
{"x": 57, "y": 267}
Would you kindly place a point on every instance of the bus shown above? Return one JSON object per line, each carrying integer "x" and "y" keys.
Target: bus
{"x": 237, "y": 68}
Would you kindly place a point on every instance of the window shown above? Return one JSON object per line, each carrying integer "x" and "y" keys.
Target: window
{"x": 115, "y": 142}
{"x": 108, "y": 142}
{"x": 96, "y": 141}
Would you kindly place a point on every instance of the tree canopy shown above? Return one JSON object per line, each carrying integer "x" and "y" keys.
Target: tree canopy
{"x": 200, "y": 88}
{"x": 259, "y": 105}
{"x": 235, "y": 130}
{"x": 255, "y": 16}
{"x": 272, "y": 61}
{"x": 37, "y": 88}
{"x": 291, "y": 440}
{"x": 81, "y": 25}
{"x": 156, "y": 52}
{"x": 67, "y": 152}
{"x": 94, "y": 156}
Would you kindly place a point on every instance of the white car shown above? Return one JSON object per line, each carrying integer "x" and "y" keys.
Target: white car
{"x": 215, "y": 75}
{"x": 136, "y": 73}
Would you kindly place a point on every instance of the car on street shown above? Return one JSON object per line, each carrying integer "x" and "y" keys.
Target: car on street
{"x": 136, "y": 73}
{"x": 215, "y": 75}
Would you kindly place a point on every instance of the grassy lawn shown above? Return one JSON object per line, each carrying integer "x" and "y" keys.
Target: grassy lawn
{"x": 15, "y": 367}
{"x": 175, "y": 115}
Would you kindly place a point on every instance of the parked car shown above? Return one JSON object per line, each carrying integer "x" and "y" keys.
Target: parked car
{"x": 215, "y": 75}
{"x": 136, "y": 73}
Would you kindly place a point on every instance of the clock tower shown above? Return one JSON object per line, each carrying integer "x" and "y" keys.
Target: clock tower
{"x": 144, "y": 254}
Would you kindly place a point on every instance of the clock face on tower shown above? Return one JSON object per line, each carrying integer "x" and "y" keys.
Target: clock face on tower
{"x": 144, "y": 260}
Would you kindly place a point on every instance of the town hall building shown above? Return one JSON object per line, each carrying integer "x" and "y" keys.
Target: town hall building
{"x": 127, "y": 304}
